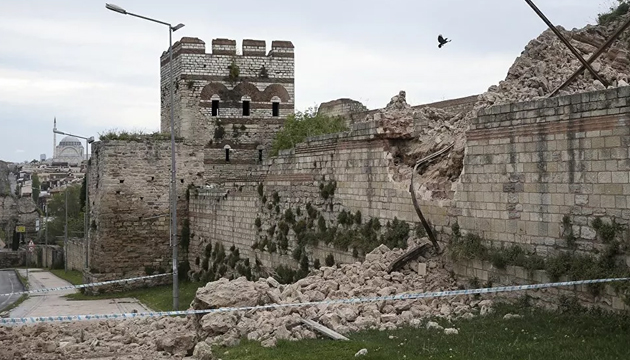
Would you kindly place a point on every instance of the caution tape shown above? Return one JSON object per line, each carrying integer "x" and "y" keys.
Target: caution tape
{"x": 30, "y": 320}
{"x": 84, "y": 285}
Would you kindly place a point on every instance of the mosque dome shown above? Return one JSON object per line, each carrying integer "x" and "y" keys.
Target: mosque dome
{"x": 70, "y": 141}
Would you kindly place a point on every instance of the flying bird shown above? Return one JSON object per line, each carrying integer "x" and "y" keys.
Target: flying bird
{"x": 442, "y": 41}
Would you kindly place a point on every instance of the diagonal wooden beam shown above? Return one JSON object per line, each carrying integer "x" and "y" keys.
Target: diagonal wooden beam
{"x": 597, "y": 53}
{"x": 566, "y": 42}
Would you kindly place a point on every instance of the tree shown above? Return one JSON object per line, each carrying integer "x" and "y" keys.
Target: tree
{"x": 82, "y": 194}
{"x": 299, "y": 126}
{"x": 57, "y": 212}
{"x": 36, "y": 187}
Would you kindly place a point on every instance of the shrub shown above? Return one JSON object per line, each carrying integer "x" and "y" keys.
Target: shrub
{"x": 316, "y": 264}
{"x": 260, "y": 190}
{"x": 357, "y": 217}
{"x": 614, "y": 12}
{"x": 219, "y": 132}
{"x": 258, "y": 223}
{"x": 321, "y": 224}
{"x": 297, "y": 127}
{"x": 289, "y": 217}
{"x": 330, "y": 260}
{"x": 396, "y": 234}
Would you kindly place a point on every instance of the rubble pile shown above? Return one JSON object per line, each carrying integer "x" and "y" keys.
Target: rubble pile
{"x": 543, "y": 66}
{"x": 142, "y": 338}
{"x": 359, "y": 280}
{"x": 193, "y": 336}
{"x": 546, "y": 63}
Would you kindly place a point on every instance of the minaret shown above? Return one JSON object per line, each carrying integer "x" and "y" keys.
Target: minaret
{"x": 54, "y": 139}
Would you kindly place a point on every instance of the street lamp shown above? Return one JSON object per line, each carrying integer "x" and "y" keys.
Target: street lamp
{"x": 88, "y": 140}
{"x": 173, "y": 192}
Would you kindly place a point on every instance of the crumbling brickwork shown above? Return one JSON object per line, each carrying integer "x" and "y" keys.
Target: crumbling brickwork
{"x": 129, "y": 198}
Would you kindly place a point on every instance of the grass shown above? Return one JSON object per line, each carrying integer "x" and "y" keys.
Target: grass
{"x": 158, "y": 298}
{"x": 15, "y": 304}
{"x": 74, "y": 277}
{"x": 538, "y": 335}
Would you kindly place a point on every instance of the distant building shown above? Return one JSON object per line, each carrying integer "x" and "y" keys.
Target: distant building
{"x": 69, "y": 152}
{"x": 42, "y": 157}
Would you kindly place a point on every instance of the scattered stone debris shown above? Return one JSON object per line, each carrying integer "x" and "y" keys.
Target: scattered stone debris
{"x": 367, "y": 279}
{"x": 451, "y": 331}
{"x": 511, "y": 316}
{"x": 361, "y": 352}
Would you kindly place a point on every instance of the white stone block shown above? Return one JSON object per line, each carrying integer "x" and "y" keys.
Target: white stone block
{"x": 422, "y": 269}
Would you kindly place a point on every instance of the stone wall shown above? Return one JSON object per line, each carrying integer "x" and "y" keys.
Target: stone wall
{"x": 488, "y": 275}
{"x": 341, "y": 107}
{"x": 129, "y": 198}
{"x": 359, "y": 162}
{"x": 52, "y": 257}
{"x": 529, "y": 164}
{"x": 76, "y": 254}
{"x": 11, "y": 259}
{"x": 355, "y": 112}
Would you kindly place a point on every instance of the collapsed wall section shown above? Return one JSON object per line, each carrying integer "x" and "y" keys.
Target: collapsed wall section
{"x": 248, "y": 212}
{"x": 129, "y": 204}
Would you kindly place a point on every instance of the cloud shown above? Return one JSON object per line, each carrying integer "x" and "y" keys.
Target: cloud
{"x": 96, "y": 70}
{"x": 19, "y": 151}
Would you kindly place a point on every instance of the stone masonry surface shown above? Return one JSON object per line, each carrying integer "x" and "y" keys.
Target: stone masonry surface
{"x": 129, "y": 198}
{"x": 529, "y": 164}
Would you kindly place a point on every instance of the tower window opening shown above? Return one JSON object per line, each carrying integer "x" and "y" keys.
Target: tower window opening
{"x": 246, "y": 108}
{"x": 227, "y": 155}
{"x": 215, "y": 107}
{"x": 275, "y": 110}
{"x": 260, "y": 155}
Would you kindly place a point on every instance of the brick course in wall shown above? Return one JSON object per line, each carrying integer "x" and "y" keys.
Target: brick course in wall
{"x": 201, "y": 78}
{"x": 529, "y": 164}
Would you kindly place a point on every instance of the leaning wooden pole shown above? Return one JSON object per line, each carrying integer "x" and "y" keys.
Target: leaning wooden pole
{"x": 424, "y": 222}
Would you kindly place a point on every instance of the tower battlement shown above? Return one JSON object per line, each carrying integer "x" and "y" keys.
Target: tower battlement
{"x": 227, "y": 97}
{"x": 227, "y": 47}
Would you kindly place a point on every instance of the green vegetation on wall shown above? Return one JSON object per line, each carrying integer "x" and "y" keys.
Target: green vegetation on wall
{"x": 137, "y": 136}
{"x": 293, "y": 231}
{"x": 297, "y": 127}
{"x": 614, "y": 12}
{"x": 572, "y": 264}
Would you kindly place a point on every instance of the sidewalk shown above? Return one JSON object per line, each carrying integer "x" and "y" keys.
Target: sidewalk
{"x": 55, "y": 304}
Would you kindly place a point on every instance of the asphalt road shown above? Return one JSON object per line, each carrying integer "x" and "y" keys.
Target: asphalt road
{"x": 9, "y": 283}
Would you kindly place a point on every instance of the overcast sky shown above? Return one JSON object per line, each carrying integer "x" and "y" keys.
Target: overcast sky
{"x": 97, "y": 70}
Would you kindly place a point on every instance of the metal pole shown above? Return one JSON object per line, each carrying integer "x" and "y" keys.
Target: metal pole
{"x": 65, "y": 237}
{"x": 85, "y": 211}
{"x": 46, "y": 226}
{"x": 566, "y": 42}
{"x": 173, "y": 177}
{"x": 597, "y": 53}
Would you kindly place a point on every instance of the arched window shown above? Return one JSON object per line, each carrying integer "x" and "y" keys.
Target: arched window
{"x": 260, "y": 149}
{"x": 215, "y": 105}
{"x": 246, "y": 100}
{"x": 227, "y": 149}
{"x": 275, "y": 106}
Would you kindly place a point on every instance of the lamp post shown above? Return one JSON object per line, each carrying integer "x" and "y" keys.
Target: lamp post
{"x": 173, "y": 192}
{"x": 86, "y": 245}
